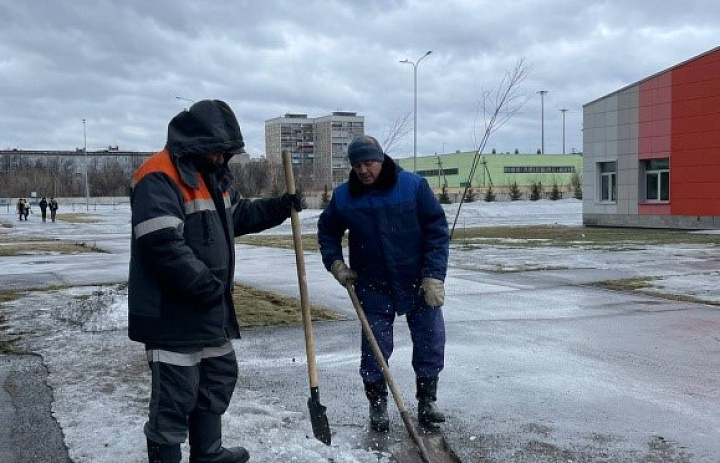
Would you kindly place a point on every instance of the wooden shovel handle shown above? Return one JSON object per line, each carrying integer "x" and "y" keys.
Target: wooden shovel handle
{"x": 367, "y": 330}
{"x": 302, "y": 278}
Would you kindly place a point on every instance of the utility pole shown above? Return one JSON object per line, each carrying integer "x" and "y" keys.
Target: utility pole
{"x": 87, "y": 186}
{"x": 542, "y": 120}
{"x": 563, "y": 111}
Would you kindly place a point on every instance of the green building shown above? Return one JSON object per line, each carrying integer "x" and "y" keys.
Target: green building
{"x": 498, "y": 171}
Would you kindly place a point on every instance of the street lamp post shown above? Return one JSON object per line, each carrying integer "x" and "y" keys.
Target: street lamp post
{"x": 87, "y": 186}
{"x": 185, "y": 99}
{"x": 563, "y": 111}
{"x": 415, "y": 66}
{"x": 542, "y": 120}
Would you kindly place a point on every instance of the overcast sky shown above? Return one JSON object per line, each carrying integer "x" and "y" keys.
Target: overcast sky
{"x": 121, "y": 65}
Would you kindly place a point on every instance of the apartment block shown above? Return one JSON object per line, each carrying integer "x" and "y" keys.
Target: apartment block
{"x": 318, "y": 146}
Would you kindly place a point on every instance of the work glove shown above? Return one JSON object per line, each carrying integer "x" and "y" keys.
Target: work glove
{"x": 292, "y": 200}
{"x": 433, "y": 291}
{"x": 342, "y": 273}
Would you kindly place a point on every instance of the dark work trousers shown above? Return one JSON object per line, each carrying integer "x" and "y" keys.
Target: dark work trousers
{"x": 185, "y": 381}
{"x": 427, "y": 331}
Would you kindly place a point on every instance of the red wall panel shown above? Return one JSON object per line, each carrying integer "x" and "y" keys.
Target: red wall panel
{"x": 654, "y": 117}
{"x": 695, "y": 190}
{"x": 694, "y": 141}
{"x": 653, "y": 209}
{"x": 696, "y": 124}
{"x": 695, "y": 146}
{"x": 700, "y": 159}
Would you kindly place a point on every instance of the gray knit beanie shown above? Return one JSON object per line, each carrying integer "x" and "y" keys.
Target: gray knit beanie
{"x": 365, "y": 148}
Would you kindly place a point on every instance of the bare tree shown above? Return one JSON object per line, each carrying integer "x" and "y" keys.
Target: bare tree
{"x": 495, "y": 107}
{"x": 251, "y": 177}
{"x": 108, "y": 180}
{"x": 397, "y": 130}
{"x": 276, "y": 177}
{"x": 304, "y": 177}
{"x": 498, "y": 106}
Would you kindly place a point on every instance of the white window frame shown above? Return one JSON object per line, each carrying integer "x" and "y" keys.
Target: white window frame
{"x": 660, "y": 176}
{"x": 607, "y": 182}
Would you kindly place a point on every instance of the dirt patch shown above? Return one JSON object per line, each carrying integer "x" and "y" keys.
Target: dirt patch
{"x": 36, "y": 247}
{"x": 79, "y": 218}
{"x": 256, "y": 308}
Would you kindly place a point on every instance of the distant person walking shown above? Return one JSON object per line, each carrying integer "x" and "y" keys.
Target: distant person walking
{"x": 43, "y": 208}
{"x": 53, "y": 205}
{"x": 20, "y": 206}
{"x": 23, "y": 208}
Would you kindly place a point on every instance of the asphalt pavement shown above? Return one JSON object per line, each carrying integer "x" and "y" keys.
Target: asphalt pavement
{"x": 541, "y": 367}
{"x": 29, "y": 432}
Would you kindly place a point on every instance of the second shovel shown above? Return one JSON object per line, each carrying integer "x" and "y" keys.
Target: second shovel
{"x": 318, "y": 416}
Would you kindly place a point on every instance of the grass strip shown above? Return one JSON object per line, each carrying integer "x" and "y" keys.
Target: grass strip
{"x": 256, "y": 308}
{"x": 533, "y": 236}
{"x": 44, "y": 247}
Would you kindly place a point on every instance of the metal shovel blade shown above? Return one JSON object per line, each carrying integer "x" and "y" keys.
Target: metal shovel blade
{"x": 436, "y": 447}
{"x": 318, "y": 417}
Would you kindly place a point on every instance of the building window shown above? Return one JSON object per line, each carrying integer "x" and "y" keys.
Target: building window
{"x": 437, "y": 172}
{"x": 657, "y": 179}
{"x": 539, "y": 169}
{"x": 608, "y": 181}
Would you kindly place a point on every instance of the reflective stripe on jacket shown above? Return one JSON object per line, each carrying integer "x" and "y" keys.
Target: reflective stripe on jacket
{"x": 182, "y": 260}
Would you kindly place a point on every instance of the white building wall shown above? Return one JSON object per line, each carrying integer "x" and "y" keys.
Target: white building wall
{"x": 599, "y": 142}
{"x": 627, "y": 150}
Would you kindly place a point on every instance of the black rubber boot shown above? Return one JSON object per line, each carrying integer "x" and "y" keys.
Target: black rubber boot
{"x": 163, "y": 453}
{"x": 377, "y": 393}
{"x": 428, "y": 413}
{"x": 206, "y": 441}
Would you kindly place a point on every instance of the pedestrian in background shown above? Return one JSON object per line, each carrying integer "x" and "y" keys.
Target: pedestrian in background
{"x": 43, "y": 208}
{"x": 23, "y": 208}
{"x": 185, "y": 216}
{"x": 20, "y": 207}
{"x": 53, "y": 205}
{"x": 398, "y": 249}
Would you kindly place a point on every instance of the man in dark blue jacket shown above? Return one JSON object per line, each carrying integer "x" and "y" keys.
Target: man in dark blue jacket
{"x": 398, "y": 251}
{"x": 185, "y": 216}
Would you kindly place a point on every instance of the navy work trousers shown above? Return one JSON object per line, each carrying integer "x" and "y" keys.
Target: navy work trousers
{"x": 201, "y": 380}
{"x": 427, "y": 331}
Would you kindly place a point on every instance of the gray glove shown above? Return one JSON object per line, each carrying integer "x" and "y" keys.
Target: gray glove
{"x": 342, "y": 273}
{"x": 434, "y": 291}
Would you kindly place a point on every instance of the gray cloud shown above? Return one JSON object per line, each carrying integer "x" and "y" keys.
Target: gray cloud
{"x": 121, "y": 65}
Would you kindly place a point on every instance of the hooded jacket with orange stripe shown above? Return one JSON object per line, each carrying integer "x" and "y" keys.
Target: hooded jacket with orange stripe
{"x": 182, "y": 260}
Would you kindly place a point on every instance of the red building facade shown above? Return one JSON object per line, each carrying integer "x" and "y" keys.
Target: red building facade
{"x": 652, "y": 150}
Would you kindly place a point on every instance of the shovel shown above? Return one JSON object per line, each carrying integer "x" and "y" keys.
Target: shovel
{"x": 386, "y": 374}
{"x": 318, "y": 417}
{"x": 437, "y": 450}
